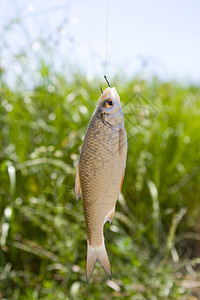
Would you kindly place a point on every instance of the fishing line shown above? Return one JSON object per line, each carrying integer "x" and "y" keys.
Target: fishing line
{"x": 106, "y": 46}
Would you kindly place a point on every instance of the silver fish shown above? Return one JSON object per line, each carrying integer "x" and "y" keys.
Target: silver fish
{"x": 100, "y": 174}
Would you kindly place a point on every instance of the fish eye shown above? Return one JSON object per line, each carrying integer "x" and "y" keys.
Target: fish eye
{"x": 109, "y": 103}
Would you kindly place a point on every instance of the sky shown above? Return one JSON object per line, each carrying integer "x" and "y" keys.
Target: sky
{"x": 151, "y": 37}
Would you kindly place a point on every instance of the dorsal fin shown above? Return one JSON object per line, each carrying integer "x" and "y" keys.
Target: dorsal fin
{"x": 78, "y": 191}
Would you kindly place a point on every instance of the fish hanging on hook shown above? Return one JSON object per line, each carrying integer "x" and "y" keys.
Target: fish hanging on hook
{"x": 100, "y": 173}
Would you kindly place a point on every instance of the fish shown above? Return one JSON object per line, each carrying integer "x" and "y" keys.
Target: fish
{"x": 100, "y": 174}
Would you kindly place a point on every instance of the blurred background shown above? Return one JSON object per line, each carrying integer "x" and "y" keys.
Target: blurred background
{"x": 53, "y": 55}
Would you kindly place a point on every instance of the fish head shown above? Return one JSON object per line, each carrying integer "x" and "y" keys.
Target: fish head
{"x": 109, "y": 107}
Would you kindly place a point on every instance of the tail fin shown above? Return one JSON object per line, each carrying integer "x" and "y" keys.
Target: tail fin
{"x": 95, "y": 254}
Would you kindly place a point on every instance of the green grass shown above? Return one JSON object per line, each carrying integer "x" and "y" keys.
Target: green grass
{"x": 43, "y": 236}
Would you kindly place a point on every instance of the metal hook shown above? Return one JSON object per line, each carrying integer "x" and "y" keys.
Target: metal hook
{"x": 107, "y": 80}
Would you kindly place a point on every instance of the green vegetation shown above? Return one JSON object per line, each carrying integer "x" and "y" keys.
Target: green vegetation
{"x": 153, "y": 241}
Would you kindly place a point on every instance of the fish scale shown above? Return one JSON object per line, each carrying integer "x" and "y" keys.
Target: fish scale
{"x": 94, "y": 186}
{"x": 100, "y": 173}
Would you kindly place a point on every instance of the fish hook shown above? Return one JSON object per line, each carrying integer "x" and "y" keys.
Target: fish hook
{"x": 106, "y": 79}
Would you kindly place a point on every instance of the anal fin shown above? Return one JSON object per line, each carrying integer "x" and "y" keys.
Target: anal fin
{"x": 110, "y": 215}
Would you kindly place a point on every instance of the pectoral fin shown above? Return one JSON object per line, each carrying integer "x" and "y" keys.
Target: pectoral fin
{"x": 78, "y": 192}
{"x": 122, "y": 140}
